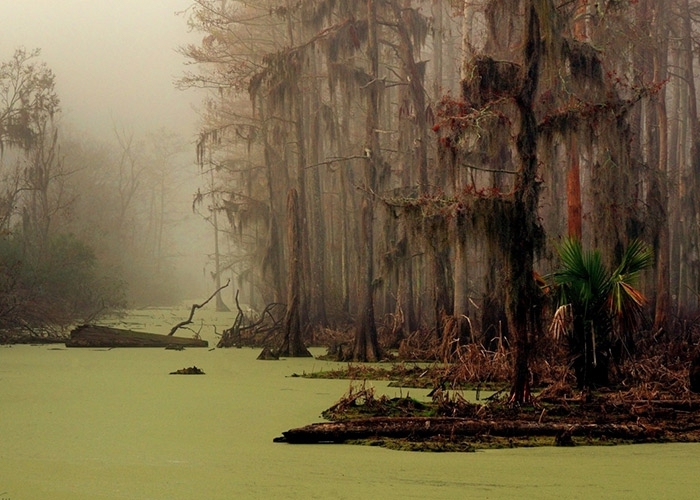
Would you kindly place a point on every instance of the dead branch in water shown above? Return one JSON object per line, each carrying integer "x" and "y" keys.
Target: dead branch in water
{"x": 188, "y": 321}
{"x": 267, "y": 326}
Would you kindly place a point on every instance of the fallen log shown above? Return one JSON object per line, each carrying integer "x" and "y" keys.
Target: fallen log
{"x": 422, "y": 428}
{"x": 103, "y": 336}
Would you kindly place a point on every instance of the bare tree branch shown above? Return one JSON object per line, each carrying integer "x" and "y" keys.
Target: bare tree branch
{"x": 188, "y": 321}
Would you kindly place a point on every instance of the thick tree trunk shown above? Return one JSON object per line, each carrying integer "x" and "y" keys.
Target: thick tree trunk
{"x": 277, "y": 182}
{"x": 292, "y": 343}
{"x": 317, "y": 229}
{"x": 417, "y": 92}
{"x": 443, "y": 295}
{"x": 692, "y": 197}
{"x": 304, "y": 256}
{"x": 676, "y": 158}
{"x": 522, "y": 292}
{"x": 350, "y": 244}
{"x": 366, "y": 345}
{"x": 437, "y": 10}
{"x": 660, "y": 61}
{"x": 406, "y": 139}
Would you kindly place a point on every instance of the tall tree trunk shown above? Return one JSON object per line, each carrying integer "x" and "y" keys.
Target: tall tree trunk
{"x": 522, "y": 293}
{"x": 292, "y": 343}
{"x": 298, "y": 110}
{"x": 220, "y": 305}
{"x": 317, "y": 303}
{"x": 438, "y": 37}
{"x": 406, "y": 138}
{"x": 692, "y": 202}
{"x": 350, "y": 230}
{"x": 675, "y": 159}
{"x": 573, "y": 180}
{"x": 660, "y": 63}
{"x": 300, "y": 118}
{"x": 417, "y": 92}
{"x": 366, "y": 346}
{"x": 573, "y": 190}
{"x": 276, "y": 183}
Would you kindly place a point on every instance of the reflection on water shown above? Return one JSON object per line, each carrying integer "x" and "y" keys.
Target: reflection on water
{"x": 112, "y": 424}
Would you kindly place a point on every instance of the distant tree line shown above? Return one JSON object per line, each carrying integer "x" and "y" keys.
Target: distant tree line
{"x": 84, "y": 223}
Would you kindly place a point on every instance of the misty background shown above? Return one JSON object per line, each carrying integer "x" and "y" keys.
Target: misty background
{"x": 114, "y": 61}
{"x": 115, "y": 64}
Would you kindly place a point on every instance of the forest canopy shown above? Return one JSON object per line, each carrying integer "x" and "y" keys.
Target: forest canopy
{"x": 441, "y": 152}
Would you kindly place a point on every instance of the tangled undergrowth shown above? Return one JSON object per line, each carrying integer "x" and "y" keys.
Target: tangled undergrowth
{"x": 649, "y": 400}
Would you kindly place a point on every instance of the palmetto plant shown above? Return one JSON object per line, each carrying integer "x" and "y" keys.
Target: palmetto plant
{"x": 597, "y": 307}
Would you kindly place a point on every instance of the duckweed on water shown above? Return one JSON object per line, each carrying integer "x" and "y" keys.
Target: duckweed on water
{"x": 112, "y": 424}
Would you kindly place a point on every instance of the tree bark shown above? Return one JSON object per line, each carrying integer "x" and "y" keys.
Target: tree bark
{"x": 292, "y": 344}
{"x": 692, "y": 197}
{"x": 417, "y": 93}
{"x": 573, "y": 191}
{"x": 317, "y": 304}
{"x": 522, "y": 293}
{"x": 366, "y": 345}
{"x": 277, "y": 178}
{"x": 660, "y": 61}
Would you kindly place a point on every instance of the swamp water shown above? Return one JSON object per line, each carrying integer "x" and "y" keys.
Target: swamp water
{"x": 113, "y": 424}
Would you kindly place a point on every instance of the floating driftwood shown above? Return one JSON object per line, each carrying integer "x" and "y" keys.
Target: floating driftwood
{"x": 103, "y": 336}
{"x": 192, "y": 370}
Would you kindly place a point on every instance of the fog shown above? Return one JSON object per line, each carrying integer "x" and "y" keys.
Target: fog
{"x": 115, "y": 64}
{"x": 114, "y": 61}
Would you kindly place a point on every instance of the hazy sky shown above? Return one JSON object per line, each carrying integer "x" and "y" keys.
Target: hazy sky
{"x": 115, "y": 60}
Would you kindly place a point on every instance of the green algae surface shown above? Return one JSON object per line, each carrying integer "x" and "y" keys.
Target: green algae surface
{"x": 113, "y": 424}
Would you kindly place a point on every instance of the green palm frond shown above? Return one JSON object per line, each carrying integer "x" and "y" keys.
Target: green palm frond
{"x": 626, "y": 302}
{"x": 582, "y": 277}
{"x": 597, "y": 306}
{"x": 637, "y": 257}
{"x": 594, "y": 292}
